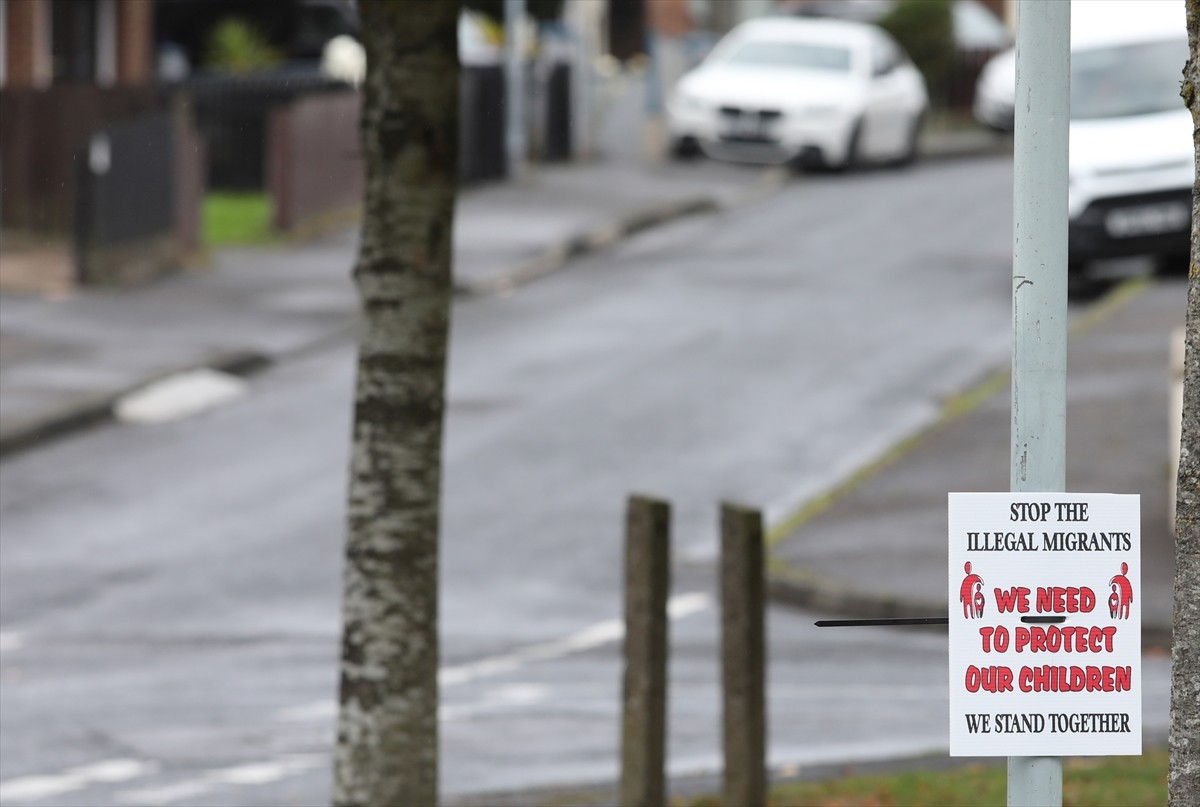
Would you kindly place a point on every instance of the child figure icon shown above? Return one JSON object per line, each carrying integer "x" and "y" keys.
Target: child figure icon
{"x": 970, "y": 594}
{"x": 1122, "y": 594}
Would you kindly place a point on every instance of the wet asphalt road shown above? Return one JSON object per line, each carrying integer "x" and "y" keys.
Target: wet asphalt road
{"x": 169, "y": 594}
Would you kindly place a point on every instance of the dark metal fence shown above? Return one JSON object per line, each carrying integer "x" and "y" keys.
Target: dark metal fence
{"x": 41, "y": 132}
{"x": 114, "y": 170}
{"x": 959, "y": 92}
{"x": 558, "y": 144}
{"x": 232, "y": 115}
{"x": 127, "y": 182}
{"x": 481, "y": 123}
{"x": 482, "y": 155}
{"x": 125, "y": 216}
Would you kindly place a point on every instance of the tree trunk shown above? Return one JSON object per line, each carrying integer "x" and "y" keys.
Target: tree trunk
{"x": 387, "y": 745}
{"x": 1183, "y": 782}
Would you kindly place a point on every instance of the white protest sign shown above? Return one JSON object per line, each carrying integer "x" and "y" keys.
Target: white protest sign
{"x": 1045, "y": 624}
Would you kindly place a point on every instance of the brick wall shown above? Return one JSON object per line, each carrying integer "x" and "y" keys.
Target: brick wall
{"x": 315, "y": 157}
{"x": 135, "y": 41}
{"x": 27, "y": 44}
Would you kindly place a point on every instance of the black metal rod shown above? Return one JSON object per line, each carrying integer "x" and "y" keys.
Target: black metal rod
{"x": 860, "y": 623}
{"x": 923, "y": 620}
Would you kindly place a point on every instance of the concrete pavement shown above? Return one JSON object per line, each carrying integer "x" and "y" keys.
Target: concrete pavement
{"x": 876, "y": 545}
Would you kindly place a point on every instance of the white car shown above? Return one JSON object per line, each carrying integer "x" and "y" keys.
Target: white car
{"x": 995, "y": 91}
{"x": 808, "y": 91}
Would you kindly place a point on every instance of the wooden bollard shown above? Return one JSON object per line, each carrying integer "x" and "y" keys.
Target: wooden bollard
{"x": 743, "y": 655}
{"x": 644, "y": 716}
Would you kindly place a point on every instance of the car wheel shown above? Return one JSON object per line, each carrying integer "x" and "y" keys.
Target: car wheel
{"x": 684, "y": 149}
{"x": 912, "y": 143}
{"x": 852, "y": 146}
{"x": 808, "y": 160}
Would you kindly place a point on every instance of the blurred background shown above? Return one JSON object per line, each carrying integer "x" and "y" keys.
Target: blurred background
{"x": 227, "y": 100}
{"x": 639, "y": 308}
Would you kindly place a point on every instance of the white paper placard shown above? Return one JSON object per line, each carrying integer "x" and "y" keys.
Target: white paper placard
{"x": 1021, "y": 683}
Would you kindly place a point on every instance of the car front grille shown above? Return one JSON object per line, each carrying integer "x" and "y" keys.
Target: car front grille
{"x": 745, "y": 150}
{"x": 763, "y": 115}
{"x": 742, "y": 125}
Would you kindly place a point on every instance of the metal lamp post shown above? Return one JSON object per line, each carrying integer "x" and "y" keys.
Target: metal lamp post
{"x": 1039, "y": 358}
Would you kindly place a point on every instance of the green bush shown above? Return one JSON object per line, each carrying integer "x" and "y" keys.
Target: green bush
{"x": 925, "y": 28}
{"x": 540, "y": 10}
{"x": 235, "y": 46}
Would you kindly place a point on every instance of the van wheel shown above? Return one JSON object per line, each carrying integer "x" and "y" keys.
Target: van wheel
{"x": 1173, "y": 264}
{"x": 913, "y": 143}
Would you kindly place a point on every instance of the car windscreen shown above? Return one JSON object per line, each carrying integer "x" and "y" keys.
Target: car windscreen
{"x": 785, "y": 54}
{"x": 1123, "y": 80}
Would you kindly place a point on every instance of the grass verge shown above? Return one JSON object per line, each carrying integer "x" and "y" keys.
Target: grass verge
{"x": 1087, "y": 782}
{"x": 237, "y": 219}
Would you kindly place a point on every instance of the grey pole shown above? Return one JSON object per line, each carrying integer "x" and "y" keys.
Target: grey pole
{"x": 644, "y": 693}
{"x": 514, "y": 87}
{"x": 743, "y": 656}
{"x": 1039, "y": 359}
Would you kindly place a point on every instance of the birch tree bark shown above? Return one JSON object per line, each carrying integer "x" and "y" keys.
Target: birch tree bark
{"x": 387, "y": 744}
{"x": 1183, "y": 781}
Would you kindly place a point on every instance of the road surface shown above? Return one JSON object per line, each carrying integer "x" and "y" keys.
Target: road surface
{"x": 169, "y": 593}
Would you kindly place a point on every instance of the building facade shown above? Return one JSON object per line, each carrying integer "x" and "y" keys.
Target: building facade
{"x": 101, "y": 42}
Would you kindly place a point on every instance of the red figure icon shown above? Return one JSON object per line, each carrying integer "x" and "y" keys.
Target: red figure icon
{"x": 970, "y": 593}
{"x": 1122, "y": 593}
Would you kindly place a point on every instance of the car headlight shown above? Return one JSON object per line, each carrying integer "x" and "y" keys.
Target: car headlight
{"x": 688, "y": 103}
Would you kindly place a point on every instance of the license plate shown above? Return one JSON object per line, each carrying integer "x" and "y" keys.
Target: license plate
{"x": 745, "y": 127}
{"x": 1165, "y": 217}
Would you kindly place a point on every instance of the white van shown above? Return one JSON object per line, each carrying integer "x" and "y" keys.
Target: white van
{"x": 1132, "y": 159}
{"x": 1131, "y": 152}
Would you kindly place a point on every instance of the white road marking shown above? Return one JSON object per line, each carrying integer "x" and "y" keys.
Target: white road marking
{"x": 179, "y": 396}
{"x": 11, "y": 641}
{"x": 597, "y": 635}
{"x": 517, "y": 694}
{"x": 254, "y": 773}
{"x": 24, "y": 789}
{"x": 682, "y": 605}
{"x": 314, "y": 712}
{"x": 166, "y": 794}
{"x": 862, "y": 692}
{"x": 601, "y": 633}
{"x": 500, "y": 699}
{"x": 497, "y": 700}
